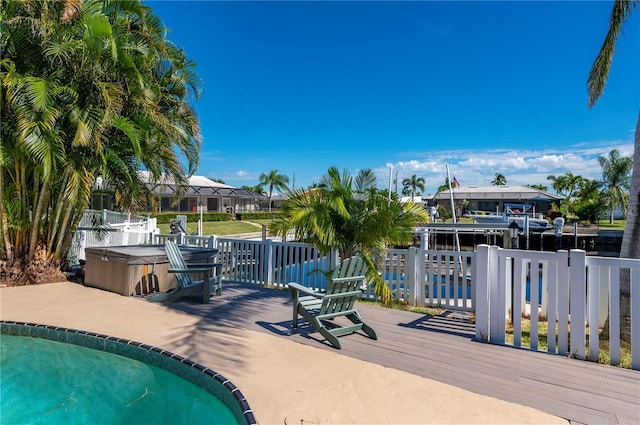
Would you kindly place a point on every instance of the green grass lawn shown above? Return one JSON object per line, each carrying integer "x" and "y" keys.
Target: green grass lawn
{"x": 222, "y": 228}
{"x": 603, "y": 353}
{"x": 616, "y": 225}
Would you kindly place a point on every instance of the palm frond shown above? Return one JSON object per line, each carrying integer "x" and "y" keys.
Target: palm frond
{"x": 599, "y": 72}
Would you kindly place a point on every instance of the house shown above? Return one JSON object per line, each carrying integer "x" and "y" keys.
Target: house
{"x": 211, "y": 195}
{"x": 493, "y": 198}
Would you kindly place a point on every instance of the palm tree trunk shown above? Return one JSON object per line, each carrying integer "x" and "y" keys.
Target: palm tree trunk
{"x": 36, "y": 219}
{"x": 54, "y": 225}
{"x": 630, "y": 241}
{"x": 630, "y": 244}
{"x": 8, "y": 248}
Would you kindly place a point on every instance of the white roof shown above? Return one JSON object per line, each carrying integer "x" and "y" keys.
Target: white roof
{"x": 498, "y": 192}
{"x": 198, "y": 181}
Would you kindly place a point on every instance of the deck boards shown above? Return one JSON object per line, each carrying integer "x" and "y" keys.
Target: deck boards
{"x": 443, "y": 349}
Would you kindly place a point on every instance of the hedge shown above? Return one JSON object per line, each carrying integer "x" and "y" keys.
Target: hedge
{"x": 165, "y": 218}
{"x": 257, "y": 215}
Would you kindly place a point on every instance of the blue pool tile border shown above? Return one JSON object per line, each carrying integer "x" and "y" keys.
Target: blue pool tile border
{"x": 197, "y": 374}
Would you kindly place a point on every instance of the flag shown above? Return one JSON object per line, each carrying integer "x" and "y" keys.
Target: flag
{"x": 456, "y": 182}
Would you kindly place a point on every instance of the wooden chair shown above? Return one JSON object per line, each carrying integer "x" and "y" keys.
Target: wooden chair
{"x": 210, "y": 283}
{"x": 338, "y": 300}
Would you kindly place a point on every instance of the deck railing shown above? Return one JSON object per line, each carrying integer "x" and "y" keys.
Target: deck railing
{"x": 273, "y": 263}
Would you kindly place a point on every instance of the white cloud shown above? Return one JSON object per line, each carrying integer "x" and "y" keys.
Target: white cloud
{"x": 526, "y": 166}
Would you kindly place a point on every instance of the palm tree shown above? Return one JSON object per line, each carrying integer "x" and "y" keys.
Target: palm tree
{"x": 595, "y": 86}
{"x": 499, "y": 180}
{"x": 539, "y": 187}
{"x": 616, "y": 175}
{"x": 274, "y": 181}
{"x": 89, "y": 89}
{"x": 566, "y": 185}
{"x": 589, "y": 205}
{"x": 413, "y": 183}
{"x": 349, "y": 215}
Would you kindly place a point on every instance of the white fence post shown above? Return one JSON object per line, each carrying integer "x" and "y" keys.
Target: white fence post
{"x": 481, "y": 299}
{"x": 563, "y": 302}
{"x": 270, "y": 270}
{"x": 410, "y": 285}
{"x": 577, "y": 302}
{"x": 420, "y": 282}
{"x": 497, "y": 294}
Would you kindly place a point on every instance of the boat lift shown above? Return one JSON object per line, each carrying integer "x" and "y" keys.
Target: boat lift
{"x": 428, "y": 232}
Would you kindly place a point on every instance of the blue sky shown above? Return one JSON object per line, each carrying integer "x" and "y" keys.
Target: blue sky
{"x": 486, "y": 87}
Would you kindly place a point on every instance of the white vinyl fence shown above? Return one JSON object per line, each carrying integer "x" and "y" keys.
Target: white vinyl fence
{"x": 572, "y": 292}
{"x": 273, "y": 263}
{"x": 445, "y": 277}
{"x": 102, "y": 228}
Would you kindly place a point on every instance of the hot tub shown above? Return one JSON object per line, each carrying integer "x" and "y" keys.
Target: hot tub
{"x": 137, "y": 269}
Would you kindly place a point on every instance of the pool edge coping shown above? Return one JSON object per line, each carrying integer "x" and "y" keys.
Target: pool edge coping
{"x": 120, "y": 346}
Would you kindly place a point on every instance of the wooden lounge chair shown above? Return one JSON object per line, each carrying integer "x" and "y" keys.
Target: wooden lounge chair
{"x": 338, "y": 300}
{"x": 210, "y": 283}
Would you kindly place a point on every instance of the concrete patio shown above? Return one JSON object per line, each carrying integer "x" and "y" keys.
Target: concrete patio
{"x": 418, "y": 372}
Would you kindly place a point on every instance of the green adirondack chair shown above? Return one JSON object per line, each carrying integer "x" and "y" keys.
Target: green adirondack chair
{"x": 211, "y": 283}
{"x": 338, "y": 300}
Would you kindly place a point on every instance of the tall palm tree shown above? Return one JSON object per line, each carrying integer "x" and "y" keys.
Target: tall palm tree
{"x": 413, "y": 183}
{"x": 89, "y": 89}
{"x": 596, "y": 81}
{"x": 616, "y": 176}
{"x": 348, "y": 214}
{"x": 499, "y": 180}
{"x": 275, "y": 181}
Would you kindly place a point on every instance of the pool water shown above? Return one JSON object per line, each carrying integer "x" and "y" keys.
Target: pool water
{"x": 49, "y": 382}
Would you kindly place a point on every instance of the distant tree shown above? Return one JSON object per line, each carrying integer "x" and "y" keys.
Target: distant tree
{"x": 218, "y": 181}
{"x": 539, "y": 187}
{"x": 413, "y": 183}
{"x": 256, "y": 189}
{"x": 616, "y": 178}
{"x": 499, "y": 180}
{"x": 588, "y": 204}
{"x": 566, "y": 185}
{"x": 275, "y": 181}
{"x": 445, "y": 186}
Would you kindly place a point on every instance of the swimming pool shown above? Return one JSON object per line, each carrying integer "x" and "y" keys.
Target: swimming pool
{"x": 72, "y": 376}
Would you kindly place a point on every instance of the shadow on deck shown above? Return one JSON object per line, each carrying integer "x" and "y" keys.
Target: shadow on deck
{"x": 444, "y": 349}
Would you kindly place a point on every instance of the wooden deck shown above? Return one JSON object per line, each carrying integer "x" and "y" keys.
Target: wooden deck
{"x": 443, "y": 349}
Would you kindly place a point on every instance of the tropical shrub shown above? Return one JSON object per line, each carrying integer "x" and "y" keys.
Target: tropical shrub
{"x": 349, "y": 215}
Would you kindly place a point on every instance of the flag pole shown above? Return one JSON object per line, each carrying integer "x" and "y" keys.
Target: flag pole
{"x": 453, "y": 209}
{"x": 390, "y": 174}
